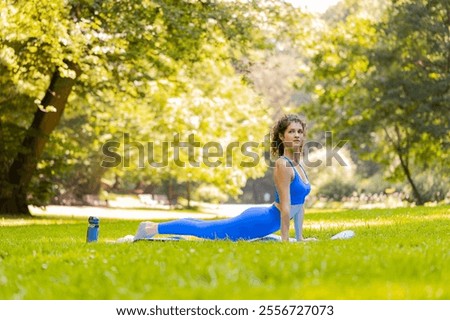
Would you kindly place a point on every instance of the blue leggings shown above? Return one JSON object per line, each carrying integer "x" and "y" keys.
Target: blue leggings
{"x": 255, "y": 222}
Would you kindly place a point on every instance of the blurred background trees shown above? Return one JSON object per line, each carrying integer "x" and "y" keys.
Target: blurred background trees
{"x": 382, "y": 81}
{"x": 76, "y": 75}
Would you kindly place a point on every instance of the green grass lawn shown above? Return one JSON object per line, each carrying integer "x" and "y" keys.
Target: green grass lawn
{"x": 396, "y": 254}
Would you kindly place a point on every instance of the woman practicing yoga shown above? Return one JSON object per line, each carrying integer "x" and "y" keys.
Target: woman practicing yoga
{"x": 292, "y": 186}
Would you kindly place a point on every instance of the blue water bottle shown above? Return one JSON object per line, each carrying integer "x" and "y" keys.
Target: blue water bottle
{"x": 92, "y": 230}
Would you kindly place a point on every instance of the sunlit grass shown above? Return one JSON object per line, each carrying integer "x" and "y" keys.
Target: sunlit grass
{"x": 396, "y": 254}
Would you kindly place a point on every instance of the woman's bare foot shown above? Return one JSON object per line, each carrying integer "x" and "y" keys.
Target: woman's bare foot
{"x": 146, "y": 230}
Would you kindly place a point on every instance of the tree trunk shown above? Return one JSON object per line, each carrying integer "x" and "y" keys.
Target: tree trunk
{"x": 255, "y": 191}
{"x": 24, "y": 165}
{"x": 402, "y": 154}
{"x": 188, "y": 191}
{"x": 170, "y": 192}
{"x": 416, "y": 193}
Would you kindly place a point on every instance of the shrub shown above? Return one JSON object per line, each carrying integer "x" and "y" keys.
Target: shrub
{"x": 336, "y": 189}
{"x": 209, "y": 194}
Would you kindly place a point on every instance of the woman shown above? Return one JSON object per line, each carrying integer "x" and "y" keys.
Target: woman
{"x": 292, "y": 186}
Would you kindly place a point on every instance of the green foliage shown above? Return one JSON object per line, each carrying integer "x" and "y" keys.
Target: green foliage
{"x": 209, "y": 194}
{"x": 48, "y": 259}
{"x": 149, "y": 68}
{"x": 377, "y": 73}
{"x": 383, "y": 85}
{"x": 336, "y": 190}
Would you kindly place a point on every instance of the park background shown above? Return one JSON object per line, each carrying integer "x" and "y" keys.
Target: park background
{"x": 77, "y": 75}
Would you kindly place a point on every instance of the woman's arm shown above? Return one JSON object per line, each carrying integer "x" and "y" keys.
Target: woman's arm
{"x": 298, "y": 224}
{"x": 282, "y": 179}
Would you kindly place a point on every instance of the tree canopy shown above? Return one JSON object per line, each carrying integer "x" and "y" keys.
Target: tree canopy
{"x": 145, "y": 70}
{"x": 384, "y": 85}
{"x": 177, "y": 92}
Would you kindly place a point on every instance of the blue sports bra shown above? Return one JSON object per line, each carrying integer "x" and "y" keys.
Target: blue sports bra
{"x": 298, "y": 189}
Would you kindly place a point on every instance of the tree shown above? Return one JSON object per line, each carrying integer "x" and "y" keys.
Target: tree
{"x": 385, "y": 84}
{"x": 48, "y": 47}
{"x": 109, "y": 60}
{"x": 411, "y": 87}
{"x": 22, "y": 37}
